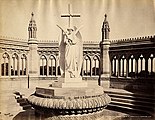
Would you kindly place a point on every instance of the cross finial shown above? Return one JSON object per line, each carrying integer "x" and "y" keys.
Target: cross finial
{"x": 69, "y": 15}
{"x": 32, "y": 14}
{"x": 105, "y": 15}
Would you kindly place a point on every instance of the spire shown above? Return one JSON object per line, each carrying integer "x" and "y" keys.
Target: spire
{"x": 105, "y": 28}
{"x": 32, "y": 16}
{"x": 32, "y": 27}
{"x": 105, "y": 19}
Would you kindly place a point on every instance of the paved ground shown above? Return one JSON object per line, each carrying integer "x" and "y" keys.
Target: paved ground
{"x": 9, "y": 108}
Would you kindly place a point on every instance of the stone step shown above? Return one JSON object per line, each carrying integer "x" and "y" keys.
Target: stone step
{"x": 140, "y": 102}
{"x": 136, "y": 106}
{"x": 27, "y": 107}
{"x": 144, "y": 98}
{"x": 23, "y": 103}
{"x": 126, "y": 100}
{"x": 19, "y": 100}
{"x": 130, "y": 94}
{"x": 130, "y": 109}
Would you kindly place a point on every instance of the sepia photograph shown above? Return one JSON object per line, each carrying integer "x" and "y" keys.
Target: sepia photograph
{"x": 77, "y": 59}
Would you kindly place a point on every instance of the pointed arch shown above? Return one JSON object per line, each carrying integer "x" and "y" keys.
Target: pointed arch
{"x": 23, "y": 65}
{"x": 87, "y": 65}
{"x": 15, "y": 65}
{"x": 123, "y": 66}
{"x": 114, "y": 66}
{"x": 5, "y": 65}
{"x": 52, "y": 65}
{"x": 131, "y": 66}
{"x": 95, "y": 65}
{"x": 43, "y": 65}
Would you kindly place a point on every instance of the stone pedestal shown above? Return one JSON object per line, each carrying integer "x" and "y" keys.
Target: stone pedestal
{"x": 70, "y": 83}
{"x": 69, "y": 96}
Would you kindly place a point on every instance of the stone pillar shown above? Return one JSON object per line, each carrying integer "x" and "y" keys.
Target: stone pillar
{"x": 105, "y": 65}
{"x": 105, "y": 62}
{"x": 33, "y": 58}
{"x": 111, "y": 61}
{"x": 90, "y": 67}
{"x": 9, "y": 66}
{"x": 13, "y": 57}
{"x": 5, "y": 66}
{"x": 86, "y": 67}
{"x": 95, "y": 67}
{"x": 119, "y": 66}
{"x": 18, "y": 67}
{"x": 1, "y": 60}
{"x": 33, "y": 48}
{"x": 56, "y": 66}
{"x": 51, "y": 67}
{"x": 131, "y": 64}
{"x": 47, "y": 64}
{"x": 123, "y": 67}
{"x": 22, "y": 65}
{"x": 115, "y": 66}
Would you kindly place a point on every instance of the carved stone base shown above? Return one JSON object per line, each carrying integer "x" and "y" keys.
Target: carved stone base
{"x": 70, "y": 83}
{"x": 68, "y": 99}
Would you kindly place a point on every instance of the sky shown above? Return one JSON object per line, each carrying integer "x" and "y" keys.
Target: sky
{"x": 127, "y": 18}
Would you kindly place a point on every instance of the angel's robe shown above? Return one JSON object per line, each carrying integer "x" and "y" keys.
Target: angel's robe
{"x": 71, "y": 54}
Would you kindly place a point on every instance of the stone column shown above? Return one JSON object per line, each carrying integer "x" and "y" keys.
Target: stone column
{"x": 51, "y": 68}
{"x": 33, "y": 58}
{"x": 1, "y": 59}
{"x": 118, "y": 68}
{"x": 105, "y": 62}
{"x": 22, "y": 65}
{"x": 9, "y": 65}
{"x": 47, "y": 64}
{"x": 95, "y": 67}
{"x": 13, "y": 57}
{"x": 127, "y": 67}
{"x": 123, "y": 67}
{"x": 4, "y": 66}
{"x": 131, "y": 64}
{"x": 111, "y": 61}
{"x": 56, "y": 66}
{"x": 114, "y": 66}
{"x": 105, "y": 58}
{"x": 18, "y": 67}
{"x": 33, "y": 49}
{"x": 86, "y": 67}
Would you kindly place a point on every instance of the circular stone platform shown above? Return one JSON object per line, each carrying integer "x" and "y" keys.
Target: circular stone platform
{"x": 68, "y": 101}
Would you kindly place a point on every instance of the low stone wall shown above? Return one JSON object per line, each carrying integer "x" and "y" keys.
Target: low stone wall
{"x": 45, "y": 78}
{"x": 133, "y": 84}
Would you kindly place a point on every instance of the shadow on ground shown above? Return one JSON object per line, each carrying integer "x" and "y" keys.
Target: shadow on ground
{"x": 107, "y": 115}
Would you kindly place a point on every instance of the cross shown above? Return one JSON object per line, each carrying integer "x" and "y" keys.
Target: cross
{"x": 69, "y": 15}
